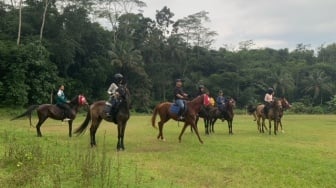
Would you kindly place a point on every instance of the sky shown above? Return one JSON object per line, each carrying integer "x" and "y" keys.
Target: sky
{"x": 274, "y": 24}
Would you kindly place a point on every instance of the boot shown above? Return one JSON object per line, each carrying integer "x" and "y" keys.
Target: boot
{"x": 66, "y": 115}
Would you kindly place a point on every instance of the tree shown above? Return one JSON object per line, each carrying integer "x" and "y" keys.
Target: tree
{"x": 163, "y": 19}
{"x": 113, "y": 9}
{"x": 317, "y": 82}
{"x": 20, "y": 22}
{"x": 193, "y": 31}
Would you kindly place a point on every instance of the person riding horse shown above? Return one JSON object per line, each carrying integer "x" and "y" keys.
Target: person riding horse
{"x": 268, "y": 99}
{"x": 63, "y": 103}
{"x": 221, "y": 100}
{"x": 179, "y": 97}
{"x": 111, "y": 105}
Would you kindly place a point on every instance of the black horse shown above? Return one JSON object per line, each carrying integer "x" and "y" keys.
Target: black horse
{"x": 44, "y": 111}
{"x": 225, "y": 114}
{"x": 97, "y": 113}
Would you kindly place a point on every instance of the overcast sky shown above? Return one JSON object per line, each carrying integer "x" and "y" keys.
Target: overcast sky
{"x": 269, "y": 23}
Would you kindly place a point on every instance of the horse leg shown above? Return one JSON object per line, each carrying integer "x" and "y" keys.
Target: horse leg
{"x": 196, "y": 131}
{"x": 93, "y": 129}
{"x": 160, "y": 135}
{"x": 38, "y": 126}
{"x": 270, "y": 126}
{"x": 183, "y": 129}
{"x": 258, "y": 125}
{"x": 212, "y": 124}
{"x": 281, "y": 126}
{"x": 275, "y": 126}
{"x": 70, "y": 128}
{"x": 196, "y": 121}
{"x": 255, "y": 116}
{"x": 206, "y": 126}
{"x": 230, "y": 127}
{"x": 199, "y": 138}
{"x": 121, "y": 131}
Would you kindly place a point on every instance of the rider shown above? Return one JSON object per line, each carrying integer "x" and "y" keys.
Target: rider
{"x": 220, "y": 100}
{"x": 112, "y": 91}
{"x": 180, "y": 96}
{"x": 268, "y": 99}
{"x": 201, "y": 90}
{"x": 62, "y": 102}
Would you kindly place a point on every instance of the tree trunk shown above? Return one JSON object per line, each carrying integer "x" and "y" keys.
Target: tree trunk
{"x": 43, "y": 19}
{"x": 19, "y": 30}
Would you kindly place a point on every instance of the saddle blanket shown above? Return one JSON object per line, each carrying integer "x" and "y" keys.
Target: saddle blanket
{"x": 174, "y": 109}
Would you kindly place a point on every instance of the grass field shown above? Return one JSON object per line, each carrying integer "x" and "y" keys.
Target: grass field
{"x": 303, "y": 156}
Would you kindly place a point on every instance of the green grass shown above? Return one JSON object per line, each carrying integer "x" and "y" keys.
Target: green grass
{"x": 303, "y": 156}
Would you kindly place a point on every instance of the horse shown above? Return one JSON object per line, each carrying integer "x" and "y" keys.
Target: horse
{"x": 274, "y": 114}
{"x": 45, "y": 111}
{"x": 204, "y": 113}
{"x": 97, "y": 113}
{"x": 259, "y": 110}
{"x": 226, "y": 114}
{"x": 193, "y": 107}
{"x": 285, "y": 106}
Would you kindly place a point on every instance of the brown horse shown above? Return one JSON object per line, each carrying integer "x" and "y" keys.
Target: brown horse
{"x": 259, "y": 110}
{"x": 97, "y": 113}
{"x": 193, "y": 108}
{"x": 285, "y": 106}
{"x": 227, "y": 114}
{"x": 45, "y": 111}
{"x": 274, "y": 114}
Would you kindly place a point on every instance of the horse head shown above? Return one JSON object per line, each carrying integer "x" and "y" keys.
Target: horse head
{"x": 285, "y": 104}
{"x": 79, "y": 100}
{"x": 124, "y": 94}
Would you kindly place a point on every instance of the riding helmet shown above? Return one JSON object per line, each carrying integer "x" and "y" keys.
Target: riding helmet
{"x": 118, "y": 77}
{"x": 270, "y": 90}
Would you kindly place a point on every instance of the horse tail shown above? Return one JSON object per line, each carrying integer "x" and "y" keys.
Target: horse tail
{"x": 84, "y": 125}
{"x": 154, "y": 115}
{"x": 27, "y": 113}
{"x": 251, "y": 109}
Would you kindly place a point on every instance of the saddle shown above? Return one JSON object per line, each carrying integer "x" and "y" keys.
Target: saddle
{"x": 111, "y": 111}
{"x": 62, "y": 109}
{"x": 176, "y": 109}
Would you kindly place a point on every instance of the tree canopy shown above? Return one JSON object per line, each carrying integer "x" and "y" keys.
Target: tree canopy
{"x": 45, "y": 43}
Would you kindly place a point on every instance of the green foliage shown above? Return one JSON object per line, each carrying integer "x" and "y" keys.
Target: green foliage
{"x": 332, "y": 104}
{"x": 151, "y": 54}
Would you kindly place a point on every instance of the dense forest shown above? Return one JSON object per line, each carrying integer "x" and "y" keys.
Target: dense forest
{"x": 45, "y": 43}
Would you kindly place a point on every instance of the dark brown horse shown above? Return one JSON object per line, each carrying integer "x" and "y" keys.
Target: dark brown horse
{"x": 97, "y": 113}
{"x": 45, "y": 111}
{"x": 258, "y": 112}
{"x": 225, "y": 114}
{"x": 193, "y": 108}
{"x": 204, "y": 113}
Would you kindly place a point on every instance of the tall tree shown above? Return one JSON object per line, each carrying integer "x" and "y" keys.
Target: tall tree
{"x": 20, "y": 22}
{"x": 193, "y": 31}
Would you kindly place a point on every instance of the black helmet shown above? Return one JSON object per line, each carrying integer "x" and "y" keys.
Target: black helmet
{"x": 178, "y": 80}
{"x": 118, "y": 77}
{"x": 270, "y": 90}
